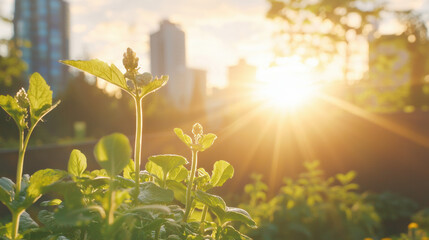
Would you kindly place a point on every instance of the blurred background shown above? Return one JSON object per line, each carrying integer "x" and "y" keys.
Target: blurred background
{"x": 281, "y": 82}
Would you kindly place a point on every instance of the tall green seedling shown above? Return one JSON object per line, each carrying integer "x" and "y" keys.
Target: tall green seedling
{"x": 200, "y": 143}
{"x": 138, "y": 85}
{"x": 27, "y": 109}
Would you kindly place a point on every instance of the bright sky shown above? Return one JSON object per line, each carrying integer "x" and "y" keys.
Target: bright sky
{"x": 218, "y": 32}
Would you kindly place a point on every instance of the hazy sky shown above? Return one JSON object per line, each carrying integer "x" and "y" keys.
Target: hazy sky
{"x": 218, "y": 32}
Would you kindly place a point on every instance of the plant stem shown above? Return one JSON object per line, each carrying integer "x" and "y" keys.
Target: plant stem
{"x": 110, "y": 217}
{"x": 22, "y": 148}
{"x": 138, "y": 143}
{"x": 15, "y": 223}
{"x": 190, "y": 183}
{"x": 203, "y": 218}
{"x": 20, "y": 166}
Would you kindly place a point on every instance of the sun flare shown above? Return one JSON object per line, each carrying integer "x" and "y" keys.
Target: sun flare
{"x": 286, "y": 86}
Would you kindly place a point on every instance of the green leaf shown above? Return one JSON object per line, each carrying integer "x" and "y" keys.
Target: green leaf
{"x": 53, "y": 202}
{"x": 10, "y": 105}
{"x": 154, "y": 169}
{"x": 78, "y": 217}
{"x": 230, "y": 232}
{"x": 129, "y": 170}
{"x": 222, "y": 171}
{"x": 26, "y": 222}
{"x": 207, "y": 141}
{"x": 202, "y": 180}
{"x": 234, "y": 214}
{"x": 113, "y": 153}
{"x": 210, "y": 200}
{"x": 77, "y": 163}
{"x": 154, "y": 85}
{"x": 40, "y": 97}
{"x": 168, "y": 162}
{"x": 7, "y": 191}
{"x": 178, "y": 174}
{"x": 151, "y": 193}
{"x": 100, "y": 69}
{"x": 6, "y": 231}
{"x": 184, "y": 137}
{"x": 179, "y": 190}
{"x": 346, "y": 178}
{"x": 38, "y": 181}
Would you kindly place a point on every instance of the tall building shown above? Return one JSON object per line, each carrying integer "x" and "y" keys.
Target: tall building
{"x": 168, "y": 57}
{"x": 42, "y": 26}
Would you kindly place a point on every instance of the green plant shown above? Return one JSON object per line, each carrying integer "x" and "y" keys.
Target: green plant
{"x": 312, "y": 207}
{"x": 27, "y": 110}
{"x": 165, "y": 201}
{"x": 136, "y": 84}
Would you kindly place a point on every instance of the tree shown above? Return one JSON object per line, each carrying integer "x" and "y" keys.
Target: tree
{"x": 11, "y": 65}
{"x": 321, "y": 27}
{"x": 416, "y": 32}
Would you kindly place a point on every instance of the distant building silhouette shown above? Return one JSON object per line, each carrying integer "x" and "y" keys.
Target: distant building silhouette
{"x": 168, "y": 56}
{"x": 43, "y": 27}
{"x": 199, "y": 96}
{"x": 241, "y": 77}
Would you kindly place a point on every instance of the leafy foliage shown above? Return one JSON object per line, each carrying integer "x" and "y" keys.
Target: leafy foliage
{"x": 312, "y": 207}
{"x": 102, "y": 204}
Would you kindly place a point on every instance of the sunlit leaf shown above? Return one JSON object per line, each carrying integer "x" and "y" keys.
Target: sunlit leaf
{"x": 38, "y": 181}
{"x": 210, "y": 200}
{"x": 168, "y": 162}
{"x": 154, "y": 85}
{"x": 129, "y": 170}
{"x": 178, "y": 174}
{"x": 346, "y": 178}
{"x": 53, "y": 202}
{"x": 113, "y": 153}
{"x": 6, "y": 231}
{"x": 179, "y": 190}
{"x": 100, "y": 69}
{"x": 182, "y": 136}
{"x": 150, "y": 193}
{"x": 230, "y": 232}
{"x": 77, "y": 163}
{"x": 234, "y": 214}
{"x": 207, "y": 141}
{"x": 222, "y": 171}
{"x": 12, "y": 108}
{"x": 40, "y": 97}
{"x": 154, "y": 169}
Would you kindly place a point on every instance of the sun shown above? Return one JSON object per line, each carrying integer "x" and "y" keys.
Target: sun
{"x": 286, "y": 86}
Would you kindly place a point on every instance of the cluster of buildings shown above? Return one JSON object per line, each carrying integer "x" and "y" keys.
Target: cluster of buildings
{"x": 43, "y": 28}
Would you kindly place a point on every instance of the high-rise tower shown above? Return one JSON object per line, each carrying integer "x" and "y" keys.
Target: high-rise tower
{"x": 43, "y": 28}
{"x": 168, "y": 57}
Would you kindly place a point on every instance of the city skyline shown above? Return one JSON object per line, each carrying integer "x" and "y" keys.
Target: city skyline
{"x": 225, "y": 30}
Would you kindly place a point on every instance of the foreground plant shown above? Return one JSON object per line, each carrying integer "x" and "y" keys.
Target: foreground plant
{"x": 138, "y": 85}
{"x": 27, "y": 110}
{"x": 165, "y": 201}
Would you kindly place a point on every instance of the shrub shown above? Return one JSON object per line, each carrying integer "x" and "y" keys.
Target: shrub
{"x": 312, "y": 207}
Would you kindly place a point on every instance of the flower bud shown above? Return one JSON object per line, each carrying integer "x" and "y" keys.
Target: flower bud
{"x": 22, "y": 98}
{"x": 197, "y": 129}
{"x": 130, "y": 60}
